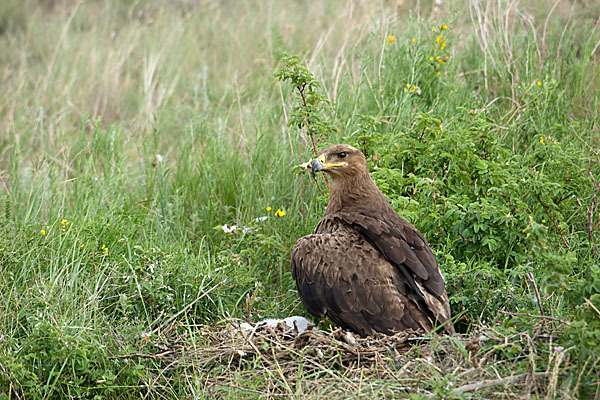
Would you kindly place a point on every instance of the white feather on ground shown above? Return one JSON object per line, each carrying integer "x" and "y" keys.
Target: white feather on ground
{"x": 298, "y": 322}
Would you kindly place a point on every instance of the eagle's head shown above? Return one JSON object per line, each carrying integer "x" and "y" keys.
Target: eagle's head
{"x": 340, "y": 161}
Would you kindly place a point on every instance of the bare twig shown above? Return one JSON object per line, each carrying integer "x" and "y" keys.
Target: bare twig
{"x": 464, "y": 238}
{"x": 143, "y": 355}
{"x": 537, "y": 295}
{"x": 589, "y": 303}
{"x": 512, "y": 314}
{"x": 553, "y": 222}
{"x": 317, "y": 182}
{"x": 508, "y": 380}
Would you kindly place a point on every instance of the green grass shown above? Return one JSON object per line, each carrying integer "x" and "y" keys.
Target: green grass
{"x": 132, "y": 131}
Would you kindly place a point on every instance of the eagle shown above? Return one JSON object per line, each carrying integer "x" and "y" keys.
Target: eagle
{"x": 365, "y": 267}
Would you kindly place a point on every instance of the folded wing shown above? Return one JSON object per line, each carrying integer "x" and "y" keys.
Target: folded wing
{"x": 342, "y": 273}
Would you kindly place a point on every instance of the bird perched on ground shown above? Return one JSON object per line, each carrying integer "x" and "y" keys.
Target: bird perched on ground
{"x": 365, "y": 267}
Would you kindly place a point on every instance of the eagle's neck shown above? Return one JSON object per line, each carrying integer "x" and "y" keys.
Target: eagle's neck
{"x": 353, "y": 192}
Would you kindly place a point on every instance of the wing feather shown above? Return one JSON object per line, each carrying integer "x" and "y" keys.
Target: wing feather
{"x": 340, "y": 274}
{"x": 406, "y": 248}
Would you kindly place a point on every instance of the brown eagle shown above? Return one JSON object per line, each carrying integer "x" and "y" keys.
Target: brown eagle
{"x": 366, "y": 268}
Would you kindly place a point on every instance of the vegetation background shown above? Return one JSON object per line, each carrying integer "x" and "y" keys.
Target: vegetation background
{"x": 142, "y": 143}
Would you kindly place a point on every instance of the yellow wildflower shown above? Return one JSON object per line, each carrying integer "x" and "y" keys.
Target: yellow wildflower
{"x": 279, "y": 213}
{"x": 414, "y": 40}
{"x": 443, "y": 45}
{"x": 64, "y": 222}
{"x": 539, "y": 83}
{"x": 104, "y": 250}
{"x": 441, "y": 60}
{"x": 437, "y": 39}
{"x": 543, "y": 221}
{"x": 444, "y": 27}
{"x": 43, "y": 232}
{"x": 542, "y": 140}
{"x": 431, "y": 58}
{"x": 438, "y": 73}
{"x": 82, "y": 245}
{"x": 269, "y": 209}
{"x": 391, "y": 39}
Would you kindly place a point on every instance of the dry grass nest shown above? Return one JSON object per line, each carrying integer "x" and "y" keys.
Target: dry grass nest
{"x": 281, "y": 362}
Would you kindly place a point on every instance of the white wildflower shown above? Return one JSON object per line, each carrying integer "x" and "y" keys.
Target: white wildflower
{"x": 228, "y": 229}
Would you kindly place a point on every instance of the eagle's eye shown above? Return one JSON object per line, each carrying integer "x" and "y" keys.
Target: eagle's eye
{"x": 342, "y": 154}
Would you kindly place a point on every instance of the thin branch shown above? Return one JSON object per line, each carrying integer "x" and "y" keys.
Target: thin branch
{"x": 317, "y": 182}
{"x": 421, "y": 137}
{"x": 512, "y": 314}
{"x": 310, "y": 134}
{"x": 508, "y": 380}
{"x": 589, "y": 303}
{"x": 308, "y": 122}
{"x": 537, "y": 295}
{"x": 142, "y": 355}
{"x": 553, "y": 222}
{"x": 464, "y": 238}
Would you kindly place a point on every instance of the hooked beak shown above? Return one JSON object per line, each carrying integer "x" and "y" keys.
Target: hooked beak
{"x": 321, "y": 165}
{"x": 317, "y": 165}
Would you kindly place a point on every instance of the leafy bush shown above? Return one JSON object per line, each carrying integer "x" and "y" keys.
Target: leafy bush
{"x": 503, "y": 193}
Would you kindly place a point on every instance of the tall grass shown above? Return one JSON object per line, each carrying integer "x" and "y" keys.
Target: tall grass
{"x": 133, "y": 131}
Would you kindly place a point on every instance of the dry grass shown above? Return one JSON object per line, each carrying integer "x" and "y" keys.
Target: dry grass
{"x": 280, "y": 362}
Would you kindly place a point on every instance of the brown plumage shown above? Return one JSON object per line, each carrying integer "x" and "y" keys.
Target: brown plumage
{"x": 366, "y": 268}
